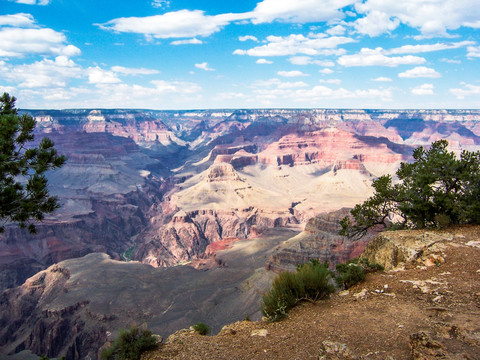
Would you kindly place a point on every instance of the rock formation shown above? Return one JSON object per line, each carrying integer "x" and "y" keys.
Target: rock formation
{"x": 319, "y": 241}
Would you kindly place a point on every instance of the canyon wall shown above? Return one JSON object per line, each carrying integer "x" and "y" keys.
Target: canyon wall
{"x": 204, "y": 188}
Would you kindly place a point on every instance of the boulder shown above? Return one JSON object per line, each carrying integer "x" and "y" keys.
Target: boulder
{"x": 330, "y": 350}
{"x": 390, "y": 249}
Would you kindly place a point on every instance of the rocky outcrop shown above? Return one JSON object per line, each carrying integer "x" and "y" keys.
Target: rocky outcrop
{"x": 319, "y": 241}
{"x": 330, "y": 350}
{"x": 391, "y": 249}
{"x": 325, "y": 147}
{"x": 188, "y": 234}
{"x": 30, "y": 322}
{"x": 222, "y": 172}
{"x": 136, "y": 125}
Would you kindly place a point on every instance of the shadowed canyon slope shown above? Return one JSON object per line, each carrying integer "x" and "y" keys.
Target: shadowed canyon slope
{"x": 167, "y": 188}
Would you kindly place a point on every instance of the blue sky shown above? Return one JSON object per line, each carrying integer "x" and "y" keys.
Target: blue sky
{"x": 190, "y": 54}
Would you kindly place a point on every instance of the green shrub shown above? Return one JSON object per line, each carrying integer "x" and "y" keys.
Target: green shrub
{"x": 349, "y": 274}
{"x": 311, "y": 282}
{"x": 354, "y": 271}
{"x": 367, "y": 265}
{"x": 201, "y": 328}
{"x": 130, "y": 345}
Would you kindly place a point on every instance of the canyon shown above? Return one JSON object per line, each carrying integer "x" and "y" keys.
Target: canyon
{"x": 205, "y": 202}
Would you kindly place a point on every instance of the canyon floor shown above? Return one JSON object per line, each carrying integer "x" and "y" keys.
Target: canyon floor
{"x": 425, "y": 309}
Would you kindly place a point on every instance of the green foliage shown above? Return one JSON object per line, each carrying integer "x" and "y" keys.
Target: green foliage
{"x": 354, "y": 271}
{"x": 23, "y": 185}
{"x": 349, "y": 274}
{"x": 311, "y": 282}
{"x": 201, "y": 328}
{"x": 128, "y": 254}
{"x": 367, "y": 265}
{"x": 130, "y": 345}
{"x": 436, "y": 190}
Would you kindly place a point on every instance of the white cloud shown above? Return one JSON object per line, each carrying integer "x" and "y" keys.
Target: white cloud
{"x": 97, "y": 75}
{"x": 375, "y": 57}
{"x": 293, "y": 73}
{"x": 425, "y": 89}
{"x": 314, "y": 44}
{"x": 42, "y": 74}
{"x": 330, "y": 81}
{"x": 16, "y": 42}
{"x": 415, "y": 49}
{"x": 307, "y": 60}
{"x": 133, "y": 71}
{"x": 467, "y": 90}
{"x": 473, "y": 51}
{"x": 279, "y": 84}
{"x": 180, "y": 87}
{"x": 431, "y": 17}
{"x": 420, "y": 72}
{"x": 20, "y": 19}
{"x": 247, "y": 37}
{"x": 193, "y": 41}
{"x": 33, "y": 2}
{"x": 450, "y": 61}
{"x": 375, "y": 23}
{"x": 230, "y": 95}
{"x": 320, "y": 92}
{"x": 160, "y": 3}
{"x": 264, "y": 61}
{"x": 299, "y": 11}
{"x": 326, "y": 71}
{"x": 382, "y": 79}
{"x": 336, "y": 30}
{"x": 175, "y": 24}
{"x": 204, "y": 66}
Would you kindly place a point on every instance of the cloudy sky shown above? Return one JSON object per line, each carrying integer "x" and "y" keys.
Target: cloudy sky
{"x": 190, "y": 54}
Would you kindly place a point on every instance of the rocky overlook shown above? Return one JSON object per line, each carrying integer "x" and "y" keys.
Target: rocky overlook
{"x": 425, "y": 307}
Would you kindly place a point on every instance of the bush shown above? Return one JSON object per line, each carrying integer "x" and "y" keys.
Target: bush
{"x": 201, "y": 328}
{"x": 349, "y": 274}
{"x": 354, "y": 271}
{"x": 436, "y": 190}
{"x": 130, "y": 345}
{"x": 310, "y": 282}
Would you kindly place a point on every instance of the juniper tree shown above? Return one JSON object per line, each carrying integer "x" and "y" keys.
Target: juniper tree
{"x": 437, "y": 189}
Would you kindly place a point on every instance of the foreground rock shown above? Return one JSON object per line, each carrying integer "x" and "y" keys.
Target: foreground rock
{"x": 399, "y": 321}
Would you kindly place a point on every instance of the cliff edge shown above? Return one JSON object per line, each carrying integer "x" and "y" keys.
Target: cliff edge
{"x": 426, "y": 305}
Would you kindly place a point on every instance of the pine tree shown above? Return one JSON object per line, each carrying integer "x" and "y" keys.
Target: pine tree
{"x": 24, "y": 195}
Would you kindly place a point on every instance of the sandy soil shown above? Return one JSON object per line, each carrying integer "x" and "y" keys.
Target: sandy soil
{"x": 443, "y": 300}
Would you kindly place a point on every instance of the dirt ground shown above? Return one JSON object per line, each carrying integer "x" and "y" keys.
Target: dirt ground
{"x": 375, "y": 319}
